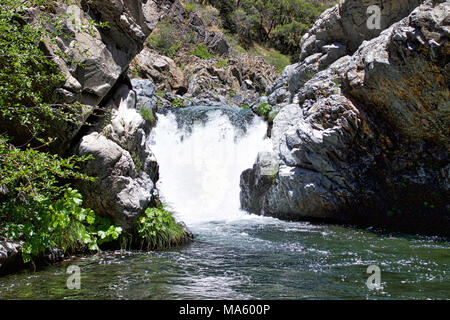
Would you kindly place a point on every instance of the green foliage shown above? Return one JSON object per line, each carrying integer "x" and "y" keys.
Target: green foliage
{"x": 202, "y": 52}
{"x": 272, "y": 115}
{"x": 37, "y": 207}
{"x": 42, "y": 223}
{"x": 177, "y": 103}
{"x": 278, "y": 60}
{"x": 245, "y": 106}
{"x": 172, "y": 51}
{"x": 104, "y": 231}
{"x": 158, "y": 229}
{"x": 279, "y": 23}
{"x": 162, "y": 39}
{"x": 148, "y": 115}
{"x": 27, "y": 77}
{"x": 264, "y": 109}
{"x": 28, "y": 173}
{"x": 37, "y": 204}
{"x": 189, "y": 7}
{"x": 273, "y": 174}
{"x": 222, "y": 63}
{"x": 137, "y": 161}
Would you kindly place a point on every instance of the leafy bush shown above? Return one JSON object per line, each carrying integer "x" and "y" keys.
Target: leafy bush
{"x": 189, "y": 7}
{"x": 148, "y": 115}
{"x": 264, "y": 109}
{"x": 278, "y": 60}
{"x": 278, "y": 23}
{"x": 202, "y": 52}
{"x": 162, "y": 39}
{"x": 222, "y": 63}
{"x": 177, "y": 103}
{"x": 42, "y": 223}
{"x": 159, "y": 230}
{"x": 38, "y": 208}
{"x": 272, "y": 115}
{"x": 37, "y": 204}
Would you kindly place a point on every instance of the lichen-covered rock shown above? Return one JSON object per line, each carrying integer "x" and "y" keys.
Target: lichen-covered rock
{"x": 369, "y": 136}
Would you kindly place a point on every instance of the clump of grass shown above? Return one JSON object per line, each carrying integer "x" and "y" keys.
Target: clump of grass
{"x": 222, "y": 63}
{"x": 189, "y": 7}
{"x": 264, "y": 109}
{"x": 162, "y": 39}
{"x": 278, "y": 60}
{"x": 158, "y": 230}
{"x": 148, "y": 115}
{"x": 202, "y": 52}
{"x": 177, "y": 103}
{"x": 272, "y": 115}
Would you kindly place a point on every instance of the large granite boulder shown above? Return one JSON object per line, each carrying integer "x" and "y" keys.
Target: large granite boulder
{"x": 124, "y": 166}
{"x": 368, "y": 137}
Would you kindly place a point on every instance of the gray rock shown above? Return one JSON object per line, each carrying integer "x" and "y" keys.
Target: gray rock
{"x": 368, "y": 133}
{"x": 103, "y": 54}
{"x": 339, "y": 31}
{"x": 255, "y": 183}
{"x": 124, "y": 166}
{"x": 10, "y": 256}
{"x": 162, "y": 70}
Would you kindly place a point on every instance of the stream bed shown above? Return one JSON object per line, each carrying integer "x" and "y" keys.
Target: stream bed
{"x": 201, "y": 153}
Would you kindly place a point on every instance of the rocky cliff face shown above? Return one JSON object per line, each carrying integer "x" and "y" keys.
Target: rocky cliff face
{"x": 228, "y": 78}
{"x": 95, "y": 58}
{"x": 95, "y": 63}
{"x": 338, "y": 32}
{"x": 367, "y": 137}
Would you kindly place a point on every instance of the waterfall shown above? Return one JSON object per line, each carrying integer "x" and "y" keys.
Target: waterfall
{"x": 202, "y": 153}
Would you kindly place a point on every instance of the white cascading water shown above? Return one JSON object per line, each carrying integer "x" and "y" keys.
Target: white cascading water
{"x": 200, "y": 168}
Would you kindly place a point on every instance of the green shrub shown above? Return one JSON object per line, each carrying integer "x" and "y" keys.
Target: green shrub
{"x": 42, "y": 223}
{"x": 277, "y": 23}
{"x": 177, "y": 103}
{"x": 148, "y": 115}
{"x": 157, "y": 229}
{"x": 272, "y": 115}
{"x": 172, "y": 51}
{"x": 222, "y": 63}
{"x": 278, "y": 60}
{"x": 264, "y": 109}
{"x": 37, "y": 203}
{"x": 189, "y": 7}
{"x": 162, "y": 39}
{"x": 202, "y": 52}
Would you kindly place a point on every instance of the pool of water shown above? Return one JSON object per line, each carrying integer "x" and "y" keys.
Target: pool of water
{"x": 255, "y": 258}
{"x": 202, "y": 153}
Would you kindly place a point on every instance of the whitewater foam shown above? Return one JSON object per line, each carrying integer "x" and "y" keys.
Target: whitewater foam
{"x": 201, "y": 163}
